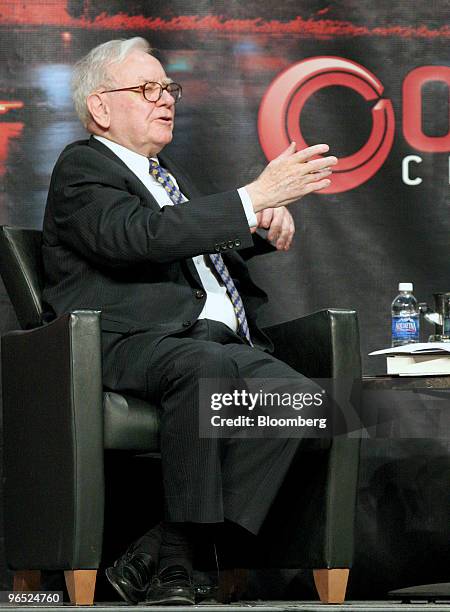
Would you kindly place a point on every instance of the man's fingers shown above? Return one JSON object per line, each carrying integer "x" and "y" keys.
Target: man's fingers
{"x": 284, "y": 179}
{"x": 316, "y": 165}
{"x": 258, "y": 222}
{"x": 266, "y": 218}
{"x": 313, "y": 177}
{"x": 306, "y": 154}
{"x": 275, "y": 223}
{"x": 317, "y": 185}
{"x": 281, "y": 229}
{"x": 287, "y": 152}
{"x": 274, "y": 231}
{"x": 286, "y": 233}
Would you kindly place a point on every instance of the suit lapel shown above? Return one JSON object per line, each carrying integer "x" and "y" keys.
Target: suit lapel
{"x": 141, "y": 190}
{"x": 189, "y": 190}
{"x": 138, "y": 188}
{"x": 186, "y": 186}
{"x": 101, "y": 148}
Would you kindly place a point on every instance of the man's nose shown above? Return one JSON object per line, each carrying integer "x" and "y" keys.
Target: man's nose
{"x": 166, "y": 99}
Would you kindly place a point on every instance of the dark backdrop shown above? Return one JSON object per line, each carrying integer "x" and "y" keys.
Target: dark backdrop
{"x": 351, "y": 248}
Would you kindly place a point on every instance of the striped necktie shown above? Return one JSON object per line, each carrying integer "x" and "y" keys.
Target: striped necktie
{"x": 162, "y": 176}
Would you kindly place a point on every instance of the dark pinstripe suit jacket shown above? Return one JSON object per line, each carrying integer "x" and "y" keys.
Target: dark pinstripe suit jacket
{"x": 107, "y": 245}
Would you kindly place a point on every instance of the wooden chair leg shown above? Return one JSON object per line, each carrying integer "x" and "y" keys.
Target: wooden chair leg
{"x": 81, "y": 586}
{"x": 232, "y": 584}
{"x": 331, "y": 584}
{"x": 27, "y": 580}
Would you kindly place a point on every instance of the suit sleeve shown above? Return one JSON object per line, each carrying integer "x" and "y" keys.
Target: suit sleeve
{"x": 93, "y": 210}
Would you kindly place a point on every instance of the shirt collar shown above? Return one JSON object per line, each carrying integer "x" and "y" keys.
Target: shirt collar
{"x": 135, "y": 161}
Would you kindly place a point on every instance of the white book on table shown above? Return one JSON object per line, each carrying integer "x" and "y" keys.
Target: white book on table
{"x": 418, "y": 359}
{"x": 415, "y": 348}
{"x": 419, "y": 365}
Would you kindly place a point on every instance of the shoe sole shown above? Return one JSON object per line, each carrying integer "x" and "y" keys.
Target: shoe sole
{"x": 177, "y": 601}
{"x": 122, "y": 593}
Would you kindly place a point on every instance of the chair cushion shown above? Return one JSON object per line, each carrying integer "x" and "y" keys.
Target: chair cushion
{"x": 133, "y": 424}
{"x": 130, "y": 423}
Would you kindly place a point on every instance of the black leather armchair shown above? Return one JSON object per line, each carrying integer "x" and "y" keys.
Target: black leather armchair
{"x": 58, "y": 423}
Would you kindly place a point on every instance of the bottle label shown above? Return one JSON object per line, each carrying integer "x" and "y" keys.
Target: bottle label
{"x": 447, "y": 326}
{"x": 405, "y": 328}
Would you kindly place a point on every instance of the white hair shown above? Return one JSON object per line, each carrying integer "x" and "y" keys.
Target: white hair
{"x": 91, "y": 71}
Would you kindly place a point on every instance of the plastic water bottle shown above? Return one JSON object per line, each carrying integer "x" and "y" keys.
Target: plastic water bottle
{"x": 405, "y": 316}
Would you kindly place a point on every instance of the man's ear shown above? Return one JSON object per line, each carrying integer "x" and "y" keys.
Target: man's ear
{"x": 99, "y": 110}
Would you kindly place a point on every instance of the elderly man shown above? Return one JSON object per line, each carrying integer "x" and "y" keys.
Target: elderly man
{"x": 127, "y": 233}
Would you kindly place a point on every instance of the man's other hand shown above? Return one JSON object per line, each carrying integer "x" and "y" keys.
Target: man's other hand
{"x": 290, "y": 176}
{"x": 280, "y": 226}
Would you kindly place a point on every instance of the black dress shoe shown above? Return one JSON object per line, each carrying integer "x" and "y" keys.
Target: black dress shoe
{"x": 173, "y": 586}
{"x": 131, "y": 575}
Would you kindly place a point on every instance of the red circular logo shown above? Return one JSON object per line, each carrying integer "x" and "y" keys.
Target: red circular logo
{"x": 281, "y": 107}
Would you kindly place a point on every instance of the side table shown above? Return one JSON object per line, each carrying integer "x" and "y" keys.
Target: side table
{"x": 406, "y": 406}
{"x": 409, "y": 407}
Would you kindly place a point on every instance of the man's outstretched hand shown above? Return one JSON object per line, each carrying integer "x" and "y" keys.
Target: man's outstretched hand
{"x": 290, "y": 176}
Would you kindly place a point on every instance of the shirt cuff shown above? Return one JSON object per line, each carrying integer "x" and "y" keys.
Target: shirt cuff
{"x": 248, "y": 207}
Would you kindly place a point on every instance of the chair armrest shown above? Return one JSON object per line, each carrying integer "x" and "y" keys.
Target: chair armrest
{"x": 53, "y": 438}
{"x": 324, "y": 344}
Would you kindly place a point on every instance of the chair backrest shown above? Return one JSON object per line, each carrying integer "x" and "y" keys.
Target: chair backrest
{"x": 22, "y": 271}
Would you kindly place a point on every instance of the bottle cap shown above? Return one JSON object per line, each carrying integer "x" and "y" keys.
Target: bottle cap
{"x": 405, "y": 286}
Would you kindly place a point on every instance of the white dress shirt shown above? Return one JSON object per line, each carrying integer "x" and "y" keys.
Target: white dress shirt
{"x": 218, "y": 305}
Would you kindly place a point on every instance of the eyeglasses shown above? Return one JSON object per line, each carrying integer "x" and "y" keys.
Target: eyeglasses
{"x": 153, "y": 91}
